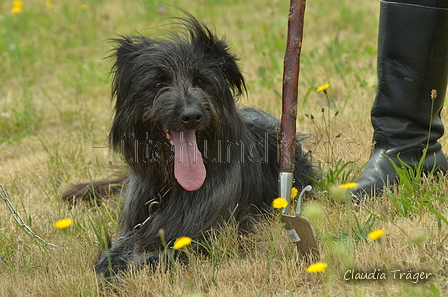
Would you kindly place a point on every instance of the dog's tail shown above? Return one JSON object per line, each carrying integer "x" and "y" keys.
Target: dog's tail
{"x": 94, "y": 191}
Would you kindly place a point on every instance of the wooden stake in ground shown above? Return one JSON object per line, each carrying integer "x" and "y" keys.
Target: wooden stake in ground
{"x": 298, "y": 227}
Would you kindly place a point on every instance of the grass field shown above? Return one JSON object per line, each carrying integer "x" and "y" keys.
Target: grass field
{"x": 55, "y": 109}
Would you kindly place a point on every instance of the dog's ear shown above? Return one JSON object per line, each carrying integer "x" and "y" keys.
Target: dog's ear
{"x": 126, "y": 49}
{"x": 230, "y": 67}
{"x": 207, "y": 42}
{"x": 125, "y": 53}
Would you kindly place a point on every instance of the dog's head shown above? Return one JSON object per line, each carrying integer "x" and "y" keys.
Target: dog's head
{"x": 172, "y": 90}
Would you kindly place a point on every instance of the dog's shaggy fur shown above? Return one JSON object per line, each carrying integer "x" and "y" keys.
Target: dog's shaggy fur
{"x": 195, "y": 160}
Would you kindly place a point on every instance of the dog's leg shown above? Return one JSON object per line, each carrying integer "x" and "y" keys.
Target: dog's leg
{"x": 94, "y": 191}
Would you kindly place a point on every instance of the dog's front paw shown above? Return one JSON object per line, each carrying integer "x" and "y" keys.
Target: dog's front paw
{"x": 108, "y": 266}
{"x": 118, "y": 258}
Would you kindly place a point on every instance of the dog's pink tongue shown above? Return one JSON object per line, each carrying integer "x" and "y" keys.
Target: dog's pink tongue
{"x": 189, "y": 169}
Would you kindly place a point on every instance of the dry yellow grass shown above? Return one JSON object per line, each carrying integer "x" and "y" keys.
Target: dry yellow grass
{"x": 55, "y": 106}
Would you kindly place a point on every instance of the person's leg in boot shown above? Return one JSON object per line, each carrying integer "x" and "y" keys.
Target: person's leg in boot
{"x": 412, "y": 67}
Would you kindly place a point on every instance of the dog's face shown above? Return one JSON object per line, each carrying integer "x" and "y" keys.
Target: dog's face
{"x": 173, "y": 90}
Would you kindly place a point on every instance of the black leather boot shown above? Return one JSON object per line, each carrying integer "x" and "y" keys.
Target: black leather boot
{"x": 412, "y": 66}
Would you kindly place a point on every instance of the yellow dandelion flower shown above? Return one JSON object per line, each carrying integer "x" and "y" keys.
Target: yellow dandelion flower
{"x": 16, "y": 10}
{"x": 446, "y": 118}
{"x": 84, "y": 7}
{"x": 323, "y": 87}
{"x": 294, "y": 192}
{"x": 279, "y": 203}
{"x": 17, "y": 3}
{"x": 181, "y": 242}
{"x": 317, "y": 267}
{"x": 62, "y": 224}
{"x": 348, "y": 186}
{"x": 376, "y": 234}
{"x": 49, "y": 3}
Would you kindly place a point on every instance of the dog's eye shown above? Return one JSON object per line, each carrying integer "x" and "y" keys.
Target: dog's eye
{"x": 157, "y": 85}
{"x": 199, "y": 81}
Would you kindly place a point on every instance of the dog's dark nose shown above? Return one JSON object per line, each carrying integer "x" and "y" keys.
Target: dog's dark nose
{"x": 191, "y": 117}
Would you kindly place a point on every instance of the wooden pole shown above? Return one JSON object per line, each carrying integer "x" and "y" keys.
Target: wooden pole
{"x": 290, "y": 85}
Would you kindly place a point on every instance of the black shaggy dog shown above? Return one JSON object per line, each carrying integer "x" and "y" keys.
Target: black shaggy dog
{"x": 195, "y": 160}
